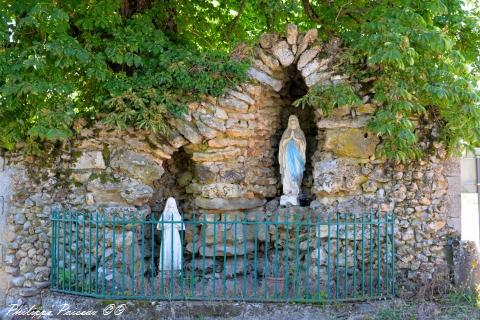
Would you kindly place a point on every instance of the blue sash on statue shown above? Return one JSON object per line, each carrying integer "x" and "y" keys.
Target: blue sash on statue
{"x": 295, "y": 162}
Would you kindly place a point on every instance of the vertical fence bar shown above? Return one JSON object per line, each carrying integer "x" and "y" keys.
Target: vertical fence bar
{"x": 307, "y": 260}
{"x": 386, "y": 254}
{"x": 345, "y": 254}
{"x": 90, "y": 221}
{"x": 133, "y": 221}
{"x": 171, "y": 225}
{"x": 393, "y": 253}
{"x": 319, "y": 253}
{"x": 194, "y": 231}
{"x": 114, "y": 245}
{"x": 354, "y": 289}
{"x": 297, "y": 254}
{"x": 161, "y": 266}
{"x": 379, "y": 259}
{"x": 77, "y": 247}
{"x": 337, "y": 257}
{"x": 371, "y": 253}
{"x": 255, "y": 258}
{"x": 214, "y": 278}
{"x": 63, "y": 224}
{"x": 143, "y": 250}
{"x": 104, "y": 245}
{"x": 70, "y": 253}
{"x": 152, "y": 259}
{"x": 124, "y": 227}
{"x": 235, "y": 257}
{"x": 204, "y": 235}
{"x": 83, "y": 251}
{"x": 287, "y": 263}
{"x": 363, "y": 253}
{"x": 245, "y": 226}
{"x": 265, "y": 260}
{"x": 54, "y": 262}
{"x": 329, "y": 253}
{"x": 277, "y": 265}
{"x": 224, "y": 257}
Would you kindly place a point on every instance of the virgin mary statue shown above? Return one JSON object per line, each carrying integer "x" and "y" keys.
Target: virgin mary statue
{"x": 291, "y": 157}
{"x": 171, "y": 249}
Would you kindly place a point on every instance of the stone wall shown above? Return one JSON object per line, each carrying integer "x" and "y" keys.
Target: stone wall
{"x": 222, "y": 157}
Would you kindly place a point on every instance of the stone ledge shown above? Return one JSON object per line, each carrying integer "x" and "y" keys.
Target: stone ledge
{"x": 231, "y": 204}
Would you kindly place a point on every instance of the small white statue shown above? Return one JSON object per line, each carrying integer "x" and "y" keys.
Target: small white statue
{"x": 291, "y": 157}
{"x": 171, "y": 249}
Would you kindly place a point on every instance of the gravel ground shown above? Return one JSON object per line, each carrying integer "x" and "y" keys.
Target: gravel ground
{"x": 455, "y": 307}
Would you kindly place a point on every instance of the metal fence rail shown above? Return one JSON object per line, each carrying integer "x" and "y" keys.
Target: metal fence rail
{"x": 310, "y": 258}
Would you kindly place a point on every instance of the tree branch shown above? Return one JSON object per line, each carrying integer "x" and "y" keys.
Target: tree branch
{"x": 229, "y": 27}
{"x": 307, "y": 7}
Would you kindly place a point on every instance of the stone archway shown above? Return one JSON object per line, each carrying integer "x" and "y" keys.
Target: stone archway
{"x": 229, "y": 138}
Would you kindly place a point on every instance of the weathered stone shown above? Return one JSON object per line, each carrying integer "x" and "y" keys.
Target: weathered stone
{"x": 265, "y": 79}
{"x": 225, "y": 142}
{"x": 355, "y": 143}
{"x": 314, "y": 66}
{"x": 307, "y": 40}
{"x": 176, "y": 139}
{"x": 187, "y": 130}
{"x": 206, "y": 131}
{"x": 283, "y": 53}
{"x": 90, "y": 160}
{"x": 239, "y": 132}
{"x": 292, "y": 33}
{"x": 268, "y": 60}
{"x": 317, "y": 77}
{"x": 17, "y": 281}
{"x": 370, "y": 186}
{"x": 221, "y": 190}
{"x": 335, "y": 123}
{"x": 216, "y": 154}
{"x": 233, "y": 103}
{"x": 341, "y": 175}
{"x": 117, "y": 192}
{"x": 213, "y": 122}
{"x": 29, "y": 292}
{"x": 366, "y": 109}
{"x": 228, "y": 204}
{"x": 242, "y": 96}
{"x": 268, "y": 39}
{"x": 136, "y": 164}
{"x": 307, "y": 56}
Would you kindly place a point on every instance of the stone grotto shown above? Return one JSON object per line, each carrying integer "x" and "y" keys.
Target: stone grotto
{"x": 221, "y": 161}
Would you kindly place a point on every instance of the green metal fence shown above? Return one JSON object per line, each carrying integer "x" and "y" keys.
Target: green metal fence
{"x": 249, "y": 257}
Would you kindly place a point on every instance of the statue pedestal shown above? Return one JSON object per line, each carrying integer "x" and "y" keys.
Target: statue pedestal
{"x": 289, "y": 199}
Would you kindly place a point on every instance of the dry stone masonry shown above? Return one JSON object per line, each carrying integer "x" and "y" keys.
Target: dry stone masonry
{"x": 221, "y": 157}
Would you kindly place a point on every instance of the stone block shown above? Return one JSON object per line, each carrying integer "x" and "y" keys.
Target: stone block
{"x": 138, "y": 165}
{"x": 307, "y": 56}
{"x": 354, "y": 143}
{"x": 90, "y": 160}
{"x": 265, "y": 79}
{"x": 216, "y": 154}
{"x": 229, "y": 204}
{"x": 307, "y": 40}
{"x": 283, "y": 53}
{"x": 334, "y": 123}
{"x": 292, "y": 33}
{"x": 317, "y": 77}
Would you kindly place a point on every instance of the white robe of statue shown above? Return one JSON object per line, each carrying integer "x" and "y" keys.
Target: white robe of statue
{"x": 291, "y": 157}
{"x": 171, "y": 248}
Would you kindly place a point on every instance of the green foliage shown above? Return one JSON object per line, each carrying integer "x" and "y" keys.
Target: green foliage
{"x": 328, "y": 97}
{"x": 61, "y": 60}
